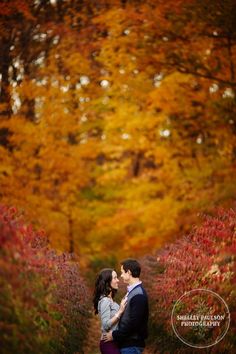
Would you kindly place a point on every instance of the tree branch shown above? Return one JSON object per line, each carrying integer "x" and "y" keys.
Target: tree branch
{"x": 231, "y": 63}
{"x": 207, "y": 76}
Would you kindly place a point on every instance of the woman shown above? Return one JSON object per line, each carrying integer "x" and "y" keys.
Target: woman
{"x": 106, "y": 286}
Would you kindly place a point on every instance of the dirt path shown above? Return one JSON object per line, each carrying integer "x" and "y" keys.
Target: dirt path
{"x": 92, "y": 345}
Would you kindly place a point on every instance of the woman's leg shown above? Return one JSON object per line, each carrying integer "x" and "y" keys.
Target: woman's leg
{"x": 109, "y": 348}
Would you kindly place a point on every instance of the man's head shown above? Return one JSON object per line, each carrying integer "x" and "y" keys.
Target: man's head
{"x": 130, "y": 271}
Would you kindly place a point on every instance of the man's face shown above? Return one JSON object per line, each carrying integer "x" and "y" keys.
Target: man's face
{"x": 125, "y": 275}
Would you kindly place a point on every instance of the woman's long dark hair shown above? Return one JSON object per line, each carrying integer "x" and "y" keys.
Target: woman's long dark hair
{"x": 103, "y": 287}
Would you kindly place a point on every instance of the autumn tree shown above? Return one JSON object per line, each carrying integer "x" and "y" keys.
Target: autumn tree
{"x": 121, "y": 119}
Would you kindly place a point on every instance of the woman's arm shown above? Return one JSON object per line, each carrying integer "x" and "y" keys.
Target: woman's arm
{"x": 107, "y": 321}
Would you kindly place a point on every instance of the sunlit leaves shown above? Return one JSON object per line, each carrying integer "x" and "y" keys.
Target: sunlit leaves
{"x": 120, "y": 111}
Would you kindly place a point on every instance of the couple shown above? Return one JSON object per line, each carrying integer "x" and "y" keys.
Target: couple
{"x": 124, "y": 327}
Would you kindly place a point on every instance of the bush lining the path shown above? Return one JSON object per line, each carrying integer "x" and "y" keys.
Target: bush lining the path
{"x": 44, "y": 303}
{"x": 203, "y": 259}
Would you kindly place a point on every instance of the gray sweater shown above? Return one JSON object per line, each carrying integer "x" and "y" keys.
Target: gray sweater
{"x": 107, "y": 308}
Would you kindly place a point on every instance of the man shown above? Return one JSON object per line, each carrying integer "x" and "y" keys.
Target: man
{"x": 132, "y": 329}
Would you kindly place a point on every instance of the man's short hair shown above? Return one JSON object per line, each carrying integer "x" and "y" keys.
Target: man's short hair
{"x": 133, "y": 266}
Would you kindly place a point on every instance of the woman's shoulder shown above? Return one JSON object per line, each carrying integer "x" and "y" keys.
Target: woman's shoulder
{"x": 104, "y": 299}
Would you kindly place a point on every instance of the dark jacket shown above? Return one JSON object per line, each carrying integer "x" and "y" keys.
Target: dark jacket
{"x": 132, "y": 329}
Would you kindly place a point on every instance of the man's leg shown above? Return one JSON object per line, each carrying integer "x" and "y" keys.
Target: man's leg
{"x": 131, "y": 350}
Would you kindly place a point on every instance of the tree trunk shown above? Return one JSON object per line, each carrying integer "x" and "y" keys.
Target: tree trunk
{"x": 71, "y": 236}
{"x": 5, "y": 94}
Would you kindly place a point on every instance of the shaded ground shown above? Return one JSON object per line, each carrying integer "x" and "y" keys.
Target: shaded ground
{"x": 92, "y": 345}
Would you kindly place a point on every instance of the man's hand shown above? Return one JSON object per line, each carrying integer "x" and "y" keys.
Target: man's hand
{"x": 107, "y": 337}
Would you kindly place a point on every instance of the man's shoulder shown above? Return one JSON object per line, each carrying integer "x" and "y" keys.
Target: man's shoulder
{"x": 138, "y": 290}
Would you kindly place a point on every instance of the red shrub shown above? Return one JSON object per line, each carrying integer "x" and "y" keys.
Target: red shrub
{"x": 43, "y": 306}
{"x": 203, "y": 259}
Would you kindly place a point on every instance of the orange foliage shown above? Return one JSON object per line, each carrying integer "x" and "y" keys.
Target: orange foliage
{"x": 118, "y": 120}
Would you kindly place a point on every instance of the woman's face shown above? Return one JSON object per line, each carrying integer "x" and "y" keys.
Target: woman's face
{"x": 114, "y": 281}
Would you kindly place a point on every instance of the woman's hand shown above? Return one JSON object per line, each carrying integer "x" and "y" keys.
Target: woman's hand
{"x": 123, "y": 305}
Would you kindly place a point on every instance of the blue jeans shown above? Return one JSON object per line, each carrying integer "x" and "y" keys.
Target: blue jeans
{"x": 131, "y": 350}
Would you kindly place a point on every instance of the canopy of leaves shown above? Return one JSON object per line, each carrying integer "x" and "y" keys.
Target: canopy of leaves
{"x": 117, "y": 118}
